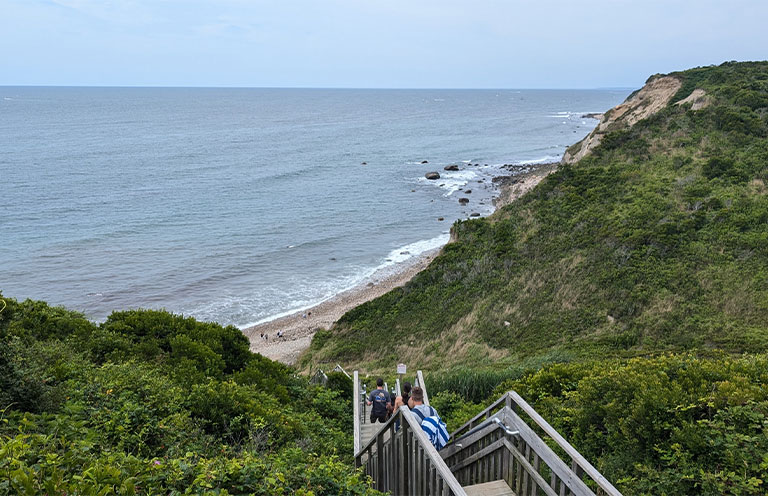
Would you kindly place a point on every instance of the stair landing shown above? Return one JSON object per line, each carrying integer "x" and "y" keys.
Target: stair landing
{"x": 494, "y": 488}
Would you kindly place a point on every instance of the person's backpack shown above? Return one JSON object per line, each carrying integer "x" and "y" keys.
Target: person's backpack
{"x": 380, "y": 400}
{"x": 434, "y": 427}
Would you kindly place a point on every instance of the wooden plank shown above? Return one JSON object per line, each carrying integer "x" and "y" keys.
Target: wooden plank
{"x": 477, "y": 456}
{"x": 465, "y": 442}
{"x": 525, "y": 475}
{"x": 591, "y": 471}
{"x": 423, "y": 386}
{"x": 538, "y": 479}
{"x": 493, "y": 488}
{"x": 404, "y": 452}
{"x": 548, "y": 456}
{"x": 356, "y": 411}
{"x": 421, "y": 438}
{"x": 482, "y": 415}
{"x": 519, "y": 475}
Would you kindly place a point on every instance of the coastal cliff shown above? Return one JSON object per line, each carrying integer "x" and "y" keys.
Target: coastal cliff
{"x": 624, "y": 296}
{"x": 645, "y": 239}
{"x": 641, "y": 104}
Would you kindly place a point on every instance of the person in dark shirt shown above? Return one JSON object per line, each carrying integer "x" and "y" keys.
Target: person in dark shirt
{"x": 378, "y": 401}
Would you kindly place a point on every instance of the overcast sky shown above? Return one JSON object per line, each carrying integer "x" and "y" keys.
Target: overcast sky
{"x": 372, "y": 43}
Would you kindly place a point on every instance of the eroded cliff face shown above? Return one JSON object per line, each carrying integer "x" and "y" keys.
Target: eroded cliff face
{"x": 654, "y": 96}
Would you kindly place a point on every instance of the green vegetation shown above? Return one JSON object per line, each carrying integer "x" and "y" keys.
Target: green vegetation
{"x": 154, "y": 403}
{"x": 625, "y": 297}
{"x": 657, "y": 241}
{"x": 666, "y": 425}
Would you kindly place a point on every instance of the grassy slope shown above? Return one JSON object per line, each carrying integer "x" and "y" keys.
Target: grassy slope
{"x": 658, "y": 241}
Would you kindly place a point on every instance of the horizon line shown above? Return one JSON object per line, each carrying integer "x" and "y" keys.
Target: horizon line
{"x": 602, "y": 88}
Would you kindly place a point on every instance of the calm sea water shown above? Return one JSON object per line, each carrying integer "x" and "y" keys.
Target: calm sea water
{"x": 236, "y": 205}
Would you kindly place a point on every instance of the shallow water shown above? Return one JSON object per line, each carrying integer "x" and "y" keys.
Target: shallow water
{"x": 235, "y": 205}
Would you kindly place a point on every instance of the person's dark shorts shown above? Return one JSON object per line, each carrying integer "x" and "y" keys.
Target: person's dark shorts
{"x": 381, "y": 418}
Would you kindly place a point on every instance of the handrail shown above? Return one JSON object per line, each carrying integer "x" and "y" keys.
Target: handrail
{"x": 514, "y": 401}
{"x": 356, "y": 409}
{"x": 399, "y": 456}
{"x": 339, "y": 368}
{"x": 576, "y": 457}
{"x": 484, "y": 415}
{"x": 409, "y": 423}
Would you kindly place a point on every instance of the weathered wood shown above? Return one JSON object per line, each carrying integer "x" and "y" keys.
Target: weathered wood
{"x": 356, "y": 411}
{"x": 549, "y": 457}
{"x": 477, "y": 456}
{"x": 477, "y": 419}
{"x": 493, "y": 488}
{"x": 537, "y": 478}
{"x": 591, "y": 471}
{"x": 468, "y": 441}
{"x": 525, "y": 475}
{"x": 423, "y": 386}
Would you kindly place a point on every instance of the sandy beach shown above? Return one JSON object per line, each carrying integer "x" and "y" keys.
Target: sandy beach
{"x": 298, "y": 328}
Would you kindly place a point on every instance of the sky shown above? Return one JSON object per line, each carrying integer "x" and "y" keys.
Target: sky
{"x": 372, "y": 43}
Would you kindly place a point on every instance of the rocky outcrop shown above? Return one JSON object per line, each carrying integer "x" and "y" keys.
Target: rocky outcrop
{"x": 698, "y": 99}
{"x": 651, "y": 98}
{"x": 432, "y": 175}
{"x": 451, "y": 167}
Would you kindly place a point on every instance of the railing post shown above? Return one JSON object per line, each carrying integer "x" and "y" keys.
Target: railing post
{"x": 356, "y": 413}
{"x": 380, "y": 465}
{"x": 423, "y": 386}
{"x": 405, "y": 450}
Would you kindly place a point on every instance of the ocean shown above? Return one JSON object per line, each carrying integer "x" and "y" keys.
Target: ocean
{"x": 240, "y": 205}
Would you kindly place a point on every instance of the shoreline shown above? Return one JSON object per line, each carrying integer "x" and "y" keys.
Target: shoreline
{"x": 299, "y": 327}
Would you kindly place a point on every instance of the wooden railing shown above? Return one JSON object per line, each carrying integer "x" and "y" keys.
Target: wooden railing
{"x": 403, "y": 461}
{"x": 420, "y": 383}
{"x": 498, "y": 444}
{"x": 357, "y": 402}
{"x": 399, "y": 457}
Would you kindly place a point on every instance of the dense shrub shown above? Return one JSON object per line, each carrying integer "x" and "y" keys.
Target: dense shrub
{"x": 155, "y": 403}
{"x": 666, "y": 425}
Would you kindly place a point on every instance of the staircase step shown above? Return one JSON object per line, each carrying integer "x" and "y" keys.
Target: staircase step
{"x": 367, "y": 432}
{"x": 495, "y": 488}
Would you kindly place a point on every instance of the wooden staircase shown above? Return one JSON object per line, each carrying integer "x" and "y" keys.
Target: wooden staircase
{"x": 500, "y": 452}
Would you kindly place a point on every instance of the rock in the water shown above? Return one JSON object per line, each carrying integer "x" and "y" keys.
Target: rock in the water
{"x": 363, "y": 163}
{"x": 432, "y": 175}
{"x": 425, "y": 161}
{"x": 441, "y": 218}
{"x": 474, "y": 214}
{"x": 463, "y": 201}
{"x": 468, "y": 191}
{"x": 405, "y": 253}
{"x": 451, "y": 167}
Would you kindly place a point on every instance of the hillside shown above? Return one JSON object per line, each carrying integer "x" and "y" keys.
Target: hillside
{"x": 654, "y": 240}
{"x": 154, "y": 403}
